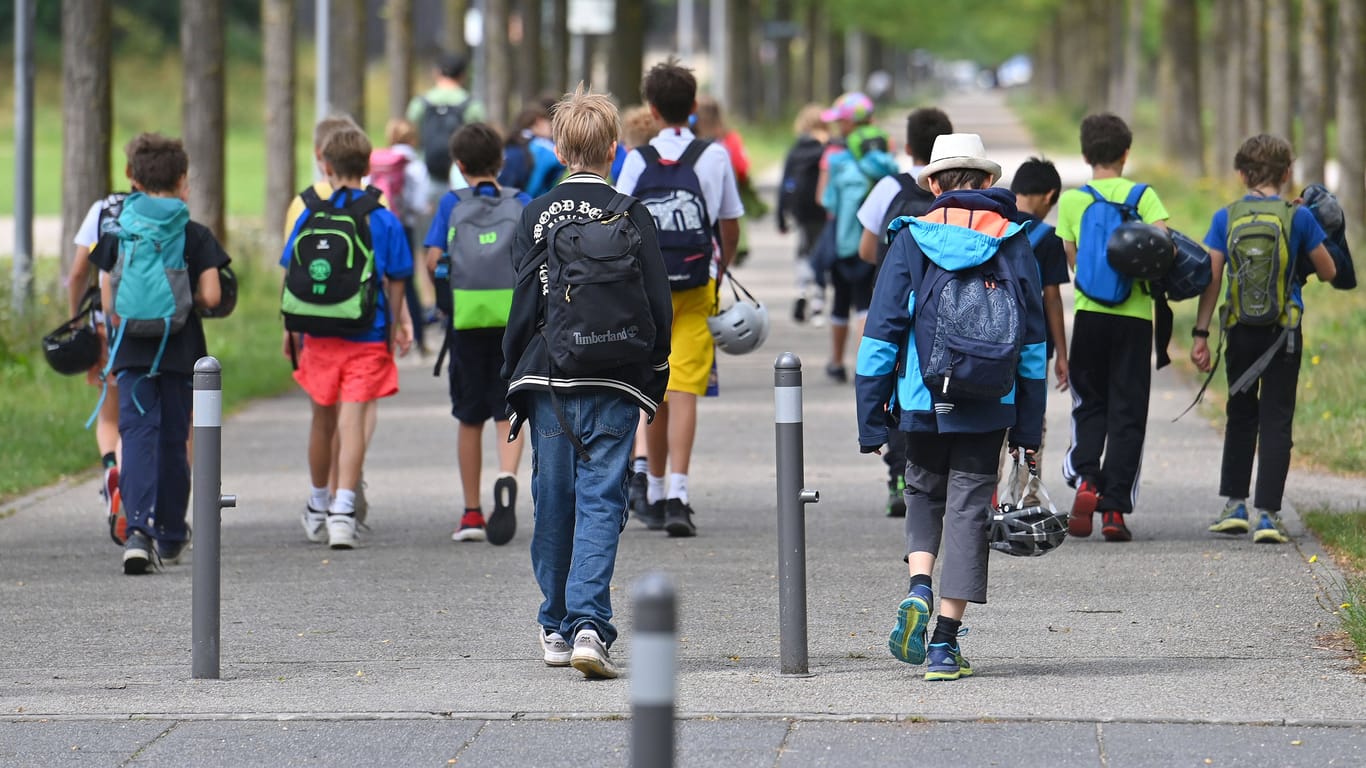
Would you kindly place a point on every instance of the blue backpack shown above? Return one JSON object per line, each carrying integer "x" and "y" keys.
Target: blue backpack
{"x": 672, "y": 193}
{"x": 969, "y": 328}
{"x": 1038, "y": 231}
{"x": 1095, "y": 277}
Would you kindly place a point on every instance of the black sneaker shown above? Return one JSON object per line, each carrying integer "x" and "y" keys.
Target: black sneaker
{"x": 799, "y": 309}
{"x": 637, "y": 498}
{"x": 653, "y": 516}
{"x": 837, "y": 373}
{"x": 678, "y": 519}
{"x": 502, "y": 524}
{"x": 137, "y": 554}
{"x": 170, "y": 552}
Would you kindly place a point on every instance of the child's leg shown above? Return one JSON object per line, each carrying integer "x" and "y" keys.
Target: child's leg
{"x": 1241, "y": 347}
{"x": 552, "y": 496}
{"x": 322, "y": 437}
{"x": 509, "y": 453}
{"x": 139, "y": 428}
{"x": 973, "y": 473}
{"x": 1090, "y": 378}
{"x": 173, "y": 476}
{"x": 1131, "y": 372}
{"x": 470, "y": 455}
{"x": 657, "y": 453}
{"x": 1276, "y": 417}
{"x": 351, "y": 421}
{"x": 682, "y": 431}
{"x": 107, "y": 423}
{"x": 927, "y": 470}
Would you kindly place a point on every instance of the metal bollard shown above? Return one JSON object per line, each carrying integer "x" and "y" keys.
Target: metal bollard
{"x": 652, "y": 672}
{"x": 792, "y": 498}
{"x": 207, "y": 480}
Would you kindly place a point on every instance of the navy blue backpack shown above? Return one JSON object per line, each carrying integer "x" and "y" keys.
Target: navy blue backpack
{"x": 1095, "y": 277}
{"x": 672, "y": 193}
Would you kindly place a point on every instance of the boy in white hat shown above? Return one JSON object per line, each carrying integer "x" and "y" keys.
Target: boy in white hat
{"x": 973, "y": 376}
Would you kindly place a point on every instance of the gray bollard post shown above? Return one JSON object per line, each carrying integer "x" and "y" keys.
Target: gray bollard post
{"x": 207, "y": 480}
{"x": 792, "y": 498}
{"x": 652, "y": 672}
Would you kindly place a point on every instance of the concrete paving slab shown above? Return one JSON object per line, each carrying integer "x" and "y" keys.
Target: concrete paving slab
{"x": 1129, "y": 744}
{"x": 304, "y": 743}
{"x": 80, "y": 744}
{"x": 1035, "y": 745}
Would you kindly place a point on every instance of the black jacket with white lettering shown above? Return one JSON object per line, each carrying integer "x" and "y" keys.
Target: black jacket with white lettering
{"x": 526, "y": 363}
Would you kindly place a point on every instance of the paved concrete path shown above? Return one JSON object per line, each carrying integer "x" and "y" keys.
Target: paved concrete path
{"x": 1176, "y": 649}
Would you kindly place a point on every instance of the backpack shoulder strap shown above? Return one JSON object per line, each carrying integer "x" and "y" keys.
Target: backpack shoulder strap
{"x": 360, "y": 209}
{"x": 694, "y": 151}
{"x": 1135, "y": 195}
{"x": 508, "y": 192}
{"x": 311, "y": 199}
{"x": 909, "y": 185}
{"x": 1098, "y": 197}
{"x": 618, "y": 205}
{"x": 649, "y": 154}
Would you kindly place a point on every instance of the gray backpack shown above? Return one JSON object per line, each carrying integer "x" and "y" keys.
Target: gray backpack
{"x": 479, "y": 241}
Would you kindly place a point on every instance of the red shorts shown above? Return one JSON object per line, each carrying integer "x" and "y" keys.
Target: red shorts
{"x": 332, "y": 370}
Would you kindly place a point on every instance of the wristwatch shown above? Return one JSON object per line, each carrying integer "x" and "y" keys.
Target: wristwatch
{"x": 1200, "y": 333}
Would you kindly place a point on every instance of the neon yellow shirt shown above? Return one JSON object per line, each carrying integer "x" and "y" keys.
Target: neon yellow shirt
{"x": 296, "y": 206}
{"x": 1073, "y": 204}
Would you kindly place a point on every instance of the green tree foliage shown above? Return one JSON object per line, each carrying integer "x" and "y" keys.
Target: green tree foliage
{"x": 153, "y": 25}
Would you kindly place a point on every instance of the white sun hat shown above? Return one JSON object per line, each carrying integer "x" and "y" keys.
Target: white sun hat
{"x": 958, "y": 150}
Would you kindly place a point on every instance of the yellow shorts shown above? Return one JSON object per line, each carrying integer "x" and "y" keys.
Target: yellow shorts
{"x": 693, "y": 348}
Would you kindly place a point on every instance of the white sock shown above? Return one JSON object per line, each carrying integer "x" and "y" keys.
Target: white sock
{"x": 654, "y": 489}
{"x": 678, "y": 487}
{"x": 318, "y": 499}
{"x": 640, "y": 465}
{"x": 344, "y": 503}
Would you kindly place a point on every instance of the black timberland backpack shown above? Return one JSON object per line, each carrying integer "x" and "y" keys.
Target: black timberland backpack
{"x": 438, "y": 123}
{"x": 912, "y": 200}
{"x": 331, "y": 286}
{"x": 597, "y": 315}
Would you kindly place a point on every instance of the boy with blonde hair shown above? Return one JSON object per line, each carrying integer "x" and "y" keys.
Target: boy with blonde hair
{"x": 582, "y": 386}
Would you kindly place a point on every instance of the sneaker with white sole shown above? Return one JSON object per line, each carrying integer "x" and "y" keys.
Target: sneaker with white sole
{"x": 502, "y": 523}
{"x": 1232, "y": 520}
{"x": 341, "y": 530}
{"x": 137, "y": 554}
{"x": 315, "y": 525}
{"x": 471, "y": 527}
{"x": 1268, "y": 530}
{"x": 590, "y": 656}
{"x": 555, "y": 649}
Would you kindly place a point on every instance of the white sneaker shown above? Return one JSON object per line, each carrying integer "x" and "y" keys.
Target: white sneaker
{"x": 555, "y": 648}
{"x": 341, "y": 531}
{"x": 315, "y": 524}
{"x": 590, "y": 656}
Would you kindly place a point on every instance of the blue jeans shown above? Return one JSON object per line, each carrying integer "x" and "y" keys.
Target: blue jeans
{"x": 579, "y": 506}
{"x": 154, "y": 480}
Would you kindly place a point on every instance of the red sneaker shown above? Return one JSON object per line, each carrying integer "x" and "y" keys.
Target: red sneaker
{"x": 1113, "y": 528}
{"x": 113, "y": 506}
{"x": 1083, "y": 506}
{"x": 471, "y": 527}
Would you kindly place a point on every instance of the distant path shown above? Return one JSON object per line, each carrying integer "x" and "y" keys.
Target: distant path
{"x": 47, "y": 234}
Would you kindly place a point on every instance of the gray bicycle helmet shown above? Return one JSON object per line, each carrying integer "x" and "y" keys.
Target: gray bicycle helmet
{"x": 743, "y": 326}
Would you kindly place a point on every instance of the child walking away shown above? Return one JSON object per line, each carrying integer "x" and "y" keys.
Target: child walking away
{"x": 1271, "y": 246}
{"x": 588, "y": 273}
{"x": 797, "y": 199}
{"x": 398, "y": 173}
{"x": 959, "y": 291}
{"x": 477, "y": 226}
{"x": 163, "y": 270}
{"x": 1110, "y": 365}
{"x": 346, "y": 262}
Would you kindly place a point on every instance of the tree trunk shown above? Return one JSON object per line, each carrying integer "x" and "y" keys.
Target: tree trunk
{"x": 1228, "y": 54}
{"x": 558, "y": 73}
{"x": 277, "y": 27}
{"x": 738, "y": 94}
{"x": 816, "y": 88}
{"x": 1254, "y": 67}
{"x": 346, "y": 70}
{"x": 782, "y": 65}
{"x": 454, "y": 33}
{"x": 1097, "y": 55}
{"x": 626, "y": 56}
{"x": 398, "y": 50}
{"x": 1126, "y": 26}
{"x": 1351, "y": 141}
{"x": 835, "y": 69}
{"x": 86, "y": 113}
{"x": 201, "y": 49}
{"x": 531, "y": 73}
{"x": 498, "y": 61}
{"x": 1179, "y": 82}
{"x": 1312, "y": 82}
{"x": 1280, "y": 70}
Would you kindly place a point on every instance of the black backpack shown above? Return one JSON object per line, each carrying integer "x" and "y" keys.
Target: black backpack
{"x": 331, "y": 285}
{"x": 912, "y": 200}
{"x": 597, "y": 314}
{"x": 672, "y": 193}
{"x": 438, "y": 123}
{"x": 801, "y": 174}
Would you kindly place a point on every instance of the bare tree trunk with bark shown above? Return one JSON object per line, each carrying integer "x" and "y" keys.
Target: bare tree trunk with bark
{"x": 626, "y": 56}
{"x": 277, "y": 26}
{"x": 454, "y": 33}
{"x": 558, "y": 73}
{"x": 782, "y": 64}
{"x": 1228, "y": 52}
{"x": 1254, "y": 67}
{"x": 531, "y": 53}
{"x": 346, "y": 70}
{"x": 1179, "y": 82}
{"x": 201, "y": 49}
{"x": 817, "y": 54}
{"x": 1312, "y": 82}
{"x": 1351, "y": 140}
{"x": 398, "y": 50}
{"x": 1126, "y": 31}
{"x": 738, "y": 14}
{"x": 1280, "y": 70}
{"x": 499, "y": 60}
{"x": 86, "y": 113}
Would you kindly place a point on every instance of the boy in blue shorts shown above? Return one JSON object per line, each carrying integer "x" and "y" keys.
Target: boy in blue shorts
{"x": 1262, "y": 330}
{"x": 470, "y": 241}
{"x": 345, "y": 364}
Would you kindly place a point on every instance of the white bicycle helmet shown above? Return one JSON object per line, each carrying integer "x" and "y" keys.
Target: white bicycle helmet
{"x": 742, "y": 327}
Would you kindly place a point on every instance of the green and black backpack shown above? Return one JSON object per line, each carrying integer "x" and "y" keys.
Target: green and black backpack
{"x": 1261, "y": 268}
{"x": 331, "y": 286}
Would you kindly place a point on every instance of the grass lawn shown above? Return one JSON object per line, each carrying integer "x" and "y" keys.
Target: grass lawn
{"x": 1330, "y": 411}
{"x": 1344, "y": 535}
{"x": 42, "y": 414}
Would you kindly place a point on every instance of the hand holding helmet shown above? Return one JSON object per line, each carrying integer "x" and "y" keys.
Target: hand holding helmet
{"x": 743, "y": 326}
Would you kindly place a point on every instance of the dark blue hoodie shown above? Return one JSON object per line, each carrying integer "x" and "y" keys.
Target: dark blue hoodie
{"x": 964, "y": 228}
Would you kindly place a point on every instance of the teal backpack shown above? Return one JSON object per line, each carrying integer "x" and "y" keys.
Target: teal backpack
{"x": 150, "y": 281}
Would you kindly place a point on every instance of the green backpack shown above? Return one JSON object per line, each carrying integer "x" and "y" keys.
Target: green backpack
{"x": 1261, "y": 269}
{"x": 331, "y": 286}
{"x": 479, "y": 242}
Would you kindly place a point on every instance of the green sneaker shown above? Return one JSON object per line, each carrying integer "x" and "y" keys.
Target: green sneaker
{"x": 947, "y": 663}
{"x": 1269, "y": 530}
{"x": 896, "y": 497}
{"x": 1232, "y": 521}
{"x": 907, "y": 641}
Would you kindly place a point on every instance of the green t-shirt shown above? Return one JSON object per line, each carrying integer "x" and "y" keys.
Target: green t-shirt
{"x": 474, "y": 113}
{"x": 1073, "y": 204}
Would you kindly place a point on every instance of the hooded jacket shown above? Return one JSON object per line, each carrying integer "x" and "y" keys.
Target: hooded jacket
{"x": 848, "y": 185}
{"x": 963, "y": 229}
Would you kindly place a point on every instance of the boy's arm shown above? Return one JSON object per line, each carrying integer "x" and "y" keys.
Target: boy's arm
{"x": 656, "y": 280}
{"x": 1324, "y": 266}
{"x": 79, "y": 280}
{"x": 1057, "y": 330}
{"x": 1070, "y": 248}
{"x": 1030, "y": 389}
{"x": 400, "y": 332}
{"x": 208, "y": 290}
{"x": 433, "y": 255}
{"x": 526, "y": 299}
{"x": 885, "y": 334}
{"x": 730, "y": 243}
{"x": 1204, "y": 312}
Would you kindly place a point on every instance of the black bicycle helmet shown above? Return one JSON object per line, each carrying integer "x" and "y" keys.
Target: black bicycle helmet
{"x": 1026, "y": 531}
{"x": 73, "y": 348}
{"x": 1140, "y": 251}
{"x": 227, "y": 302}
{"x": 1190, "y": 274}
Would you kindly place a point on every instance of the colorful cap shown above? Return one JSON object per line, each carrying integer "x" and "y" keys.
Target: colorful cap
{"x": 853, "y": 106}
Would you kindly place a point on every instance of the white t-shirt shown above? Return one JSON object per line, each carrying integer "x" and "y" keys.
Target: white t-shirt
{"x": 714, "y": 172}
{"x": 88, "y": 234}
{"x": 874, "y": 208}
